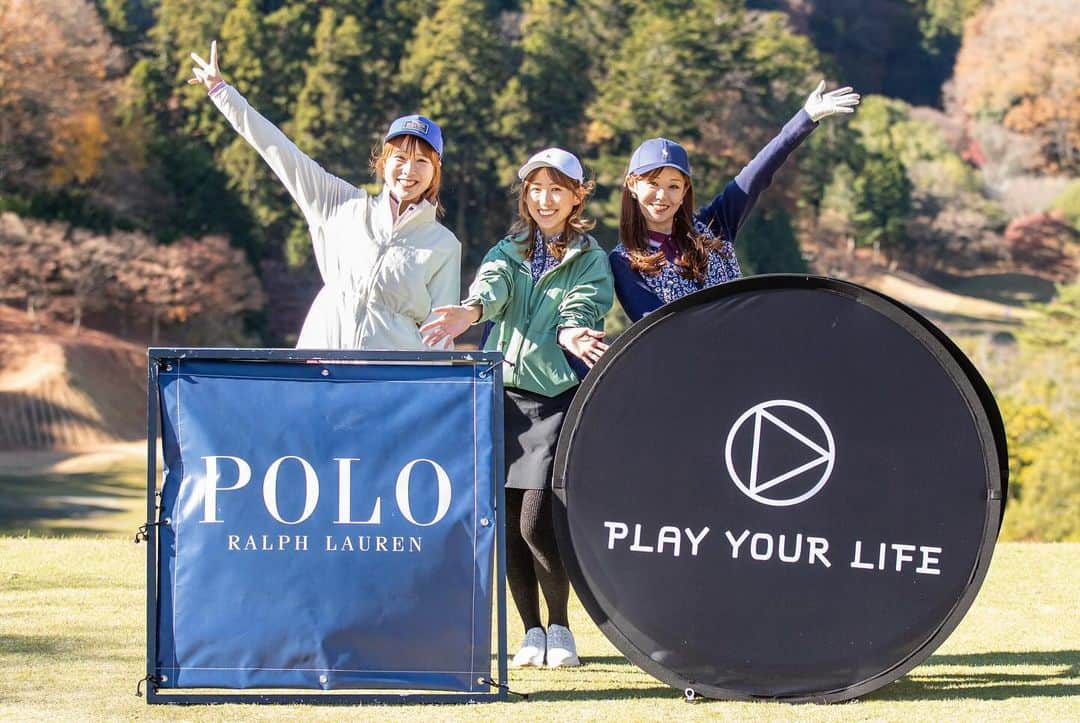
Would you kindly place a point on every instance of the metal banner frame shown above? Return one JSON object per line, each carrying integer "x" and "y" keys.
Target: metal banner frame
{"x": 158, "y": 358}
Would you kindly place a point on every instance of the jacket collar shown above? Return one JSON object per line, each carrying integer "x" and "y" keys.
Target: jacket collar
{"x": 516, "y": 245}
{"x": 416, "y": 213}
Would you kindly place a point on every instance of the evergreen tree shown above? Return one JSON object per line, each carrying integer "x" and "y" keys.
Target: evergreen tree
{"x": 128, "y": 21}
{"x": 658, "y": 79}
{"x": 182, "y": 26}
{"x": 393, "y": 26}
{"x": 187, "y": 189}
{"x": 601, "y": 26}
{"x": 289, "y": 36}
{"x": 656, "y": 85}
{"x": 543, "y": 103}
{"x": 453, "y": 69}
{"x": 243, "y": 50}
{"x": 883, "y": 203}
{"x": 335, "y": 122}
{"x": 706, "y": 73}
{"x": 767, "y": 243}
{"x": 832, "y": 146}
{"x": 264, "y": 57}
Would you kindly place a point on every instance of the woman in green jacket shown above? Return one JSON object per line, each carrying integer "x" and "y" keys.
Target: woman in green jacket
{"x": 545, "y": 288}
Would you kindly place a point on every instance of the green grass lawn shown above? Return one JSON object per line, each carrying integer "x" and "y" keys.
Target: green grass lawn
{"x": 1014, "y": 288}
{"x": 72, "y": 648}
{"x": 72, "y": 641}
{"x": 109, "y": 501}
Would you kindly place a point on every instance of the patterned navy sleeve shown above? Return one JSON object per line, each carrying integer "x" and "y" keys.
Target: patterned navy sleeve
{"x": 635, "y": 296}
{"x": 728, "y": 261}
{"x": 725, "y": 214}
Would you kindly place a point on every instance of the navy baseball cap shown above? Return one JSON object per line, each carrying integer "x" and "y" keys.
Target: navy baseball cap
{"x": 419, "y": 126}
{"x": 658, "y": 153}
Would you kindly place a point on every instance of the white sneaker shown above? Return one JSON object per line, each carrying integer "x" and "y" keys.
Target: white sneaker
{"x": 561, "y": 650}
{"x": 531, "y": 653}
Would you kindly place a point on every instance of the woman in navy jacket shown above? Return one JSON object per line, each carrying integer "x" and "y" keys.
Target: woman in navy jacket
{"x": 667, "y": 251}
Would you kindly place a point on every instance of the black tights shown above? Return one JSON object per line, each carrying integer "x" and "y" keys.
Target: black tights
{"x": 532, "y": 557}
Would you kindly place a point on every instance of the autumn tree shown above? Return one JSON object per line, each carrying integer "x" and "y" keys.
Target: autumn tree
{"x": 1044, "y": 244}
{"x": 56, "y": 91}
{"x": 1040, "y": 410}
{"x": 201, "y": 288}
{"x": 1019, "y": 66}
{"x": 28, "y": 263}
{"x": 87, "y": 262}
{"x": 219, "y": 289}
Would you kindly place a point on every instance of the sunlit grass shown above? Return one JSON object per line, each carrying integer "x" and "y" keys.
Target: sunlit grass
{"x": 110, "y": 501}
{"x": 72, "y": 647}
{"x": 72, "y": 640}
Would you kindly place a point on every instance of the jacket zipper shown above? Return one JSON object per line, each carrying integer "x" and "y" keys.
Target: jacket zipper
{"x": 529, "y": 314}
{"x": 376, "y": 267}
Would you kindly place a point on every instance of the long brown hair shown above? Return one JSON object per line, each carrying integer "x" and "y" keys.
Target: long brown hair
{"x": 691, "y": 260}
{"x": 413, "y": 146}
{"x": 576, "y": 223}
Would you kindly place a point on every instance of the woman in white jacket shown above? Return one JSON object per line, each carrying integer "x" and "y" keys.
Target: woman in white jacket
{"x": 385, "y": 260}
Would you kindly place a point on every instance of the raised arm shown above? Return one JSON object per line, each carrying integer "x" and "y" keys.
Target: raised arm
{"x": 726, "y": 212}
{"x": 315, "y": 191}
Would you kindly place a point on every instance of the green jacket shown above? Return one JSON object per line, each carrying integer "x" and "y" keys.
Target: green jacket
{"x": 526, "y": 317}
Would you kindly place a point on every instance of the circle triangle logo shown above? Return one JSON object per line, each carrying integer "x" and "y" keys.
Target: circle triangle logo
{"x": 769, "y": 476}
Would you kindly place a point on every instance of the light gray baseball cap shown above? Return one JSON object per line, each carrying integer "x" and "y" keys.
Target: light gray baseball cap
{"x": 557, "y": 158}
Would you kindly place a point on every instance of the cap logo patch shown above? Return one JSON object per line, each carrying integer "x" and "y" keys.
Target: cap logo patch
{"x": 664, "y": 153}
{"x": 416, "y": 125}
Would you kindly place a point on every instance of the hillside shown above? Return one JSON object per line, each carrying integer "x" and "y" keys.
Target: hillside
{"x": 59, "y": 391}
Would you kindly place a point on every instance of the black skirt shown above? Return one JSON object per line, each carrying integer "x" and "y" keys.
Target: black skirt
{"x": 532, "y": 425}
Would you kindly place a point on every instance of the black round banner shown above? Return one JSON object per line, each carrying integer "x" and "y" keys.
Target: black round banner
{"x": 783, "y": 487}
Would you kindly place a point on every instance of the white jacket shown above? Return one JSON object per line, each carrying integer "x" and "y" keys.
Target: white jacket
{"x": 381, "y": 278}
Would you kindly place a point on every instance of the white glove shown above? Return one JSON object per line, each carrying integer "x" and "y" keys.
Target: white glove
{"x": 841, "y": 100}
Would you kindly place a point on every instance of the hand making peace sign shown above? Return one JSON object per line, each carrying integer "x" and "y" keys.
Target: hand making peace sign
{"x": 206, "y": 73}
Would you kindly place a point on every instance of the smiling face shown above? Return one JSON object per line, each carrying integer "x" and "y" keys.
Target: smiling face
{"x": 550, "y": 200}
{"x": 659, "y": 195}
{"x": 410, "y": 168}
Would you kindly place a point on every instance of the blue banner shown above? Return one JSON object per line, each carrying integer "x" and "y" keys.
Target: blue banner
{"x": 330, "y": 525}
